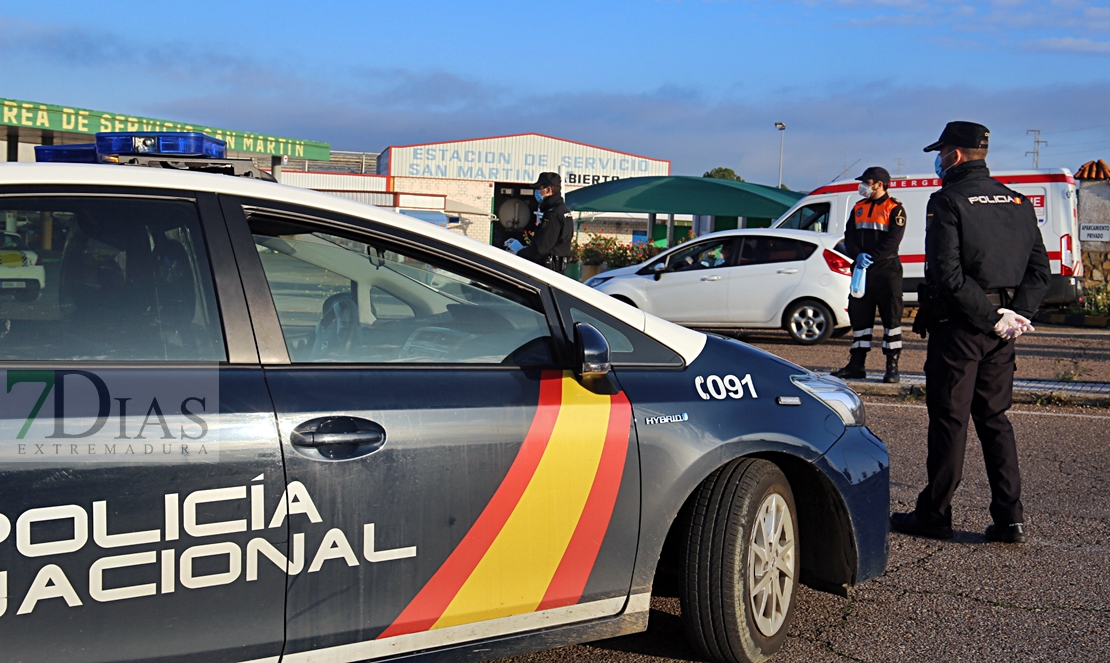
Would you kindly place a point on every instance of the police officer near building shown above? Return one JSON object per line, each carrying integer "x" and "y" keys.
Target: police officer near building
{"x": 986, "y": 271}
{"x": 554, "y": 230}
{"x": 872, "y": 235}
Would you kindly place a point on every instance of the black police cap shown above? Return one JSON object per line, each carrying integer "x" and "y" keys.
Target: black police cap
{"x": 962, "y": 134}
{"x": 548, "y": 180}
{"x": 876, "y": 174}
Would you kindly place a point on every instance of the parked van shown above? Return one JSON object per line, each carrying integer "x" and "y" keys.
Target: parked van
{"x": 1051, "y": 190}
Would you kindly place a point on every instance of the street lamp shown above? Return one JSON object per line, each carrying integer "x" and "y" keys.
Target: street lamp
{"x": 781, "y": 126}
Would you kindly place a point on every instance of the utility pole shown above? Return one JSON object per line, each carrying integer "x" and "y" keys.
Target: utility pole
{"x": 1036, "y": 151}
{"x": 781, "y": 126}
{"x": 898, "y": 166}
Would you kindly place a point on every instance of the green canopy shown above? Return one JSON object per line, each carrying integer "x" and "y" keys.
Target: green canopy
{"x": 683, "y": 195}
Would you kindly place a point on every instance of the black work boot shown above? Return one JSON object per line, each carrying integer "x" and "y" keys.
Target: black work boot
{"x": 856, "y": 368}
{"x": 892, "y": 368}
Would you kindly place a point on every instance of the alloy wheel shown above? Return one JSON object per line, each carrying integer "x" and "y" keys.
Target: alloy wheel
{"x": 772, "y": 564}
{"x": 808, "y": 323}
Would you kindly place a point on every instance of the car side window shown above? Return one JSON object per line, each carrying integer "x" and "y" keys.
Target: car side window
{"x": 761, "y": 249}
{"x": 102, "y": 278}
{"x": 350, "y": 301}
{"x": 627, "y": 346}
{"x": 705, "y": 255}
{"x": 813, "y": 217}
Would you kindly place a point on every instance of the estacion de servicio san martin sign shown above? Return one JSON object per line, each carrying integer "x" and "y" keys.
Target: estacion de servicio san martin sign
{"x": 519, "y": 158}
{"x": 33, "y": 115}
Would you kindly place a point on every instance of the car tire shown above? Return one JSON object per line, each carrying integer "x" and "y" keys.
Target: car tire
{"x": 736, "y": 602}
{"x": 809, "y": 322}
{"x": 626, "y": 300}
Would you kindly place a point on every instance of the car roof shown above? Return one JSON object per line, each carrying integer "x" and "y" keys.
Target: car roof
{"x": 806, "y": 235}
{"x": 685, "y": 342}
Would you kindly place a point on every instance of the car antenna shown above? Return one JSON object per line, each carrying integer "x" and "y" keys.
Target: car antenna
{"x": 844, "y": 171}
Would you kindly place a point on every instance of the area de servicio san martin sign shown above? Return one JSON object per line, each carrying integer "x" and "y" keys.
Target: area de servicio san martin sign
{"x": 33, "y": 115}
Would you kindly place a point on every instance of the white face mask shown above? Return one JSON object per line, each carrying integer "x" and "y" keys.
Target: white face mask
{"x": 864, "y": 190}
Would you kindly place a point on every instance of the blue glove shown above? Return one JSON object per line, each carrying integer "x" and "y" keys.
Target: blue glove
{"x": 513, "y": 245}
{"x": 864, "y": 260}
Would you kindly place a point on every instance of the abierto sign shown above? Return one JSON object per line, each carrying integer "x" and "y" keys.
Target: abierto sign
{"x": 1094, "y": 232}
{"x": 32, "y": 115}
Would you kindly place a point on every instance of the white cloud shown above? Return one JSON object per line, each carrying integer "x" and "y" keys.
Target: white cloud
{"x": 1070, "y": 44}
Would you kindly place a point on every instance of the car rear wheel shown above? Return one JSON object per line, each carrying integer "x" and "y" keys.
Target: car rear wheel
{"x": 809, "y": 322}
{"x": 742, "y": 563}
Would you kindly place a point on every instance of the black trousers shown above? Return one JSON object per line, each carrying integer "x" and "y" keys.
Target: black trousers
{"x": 971, "y": 373}
{"x": 884, "y": 291}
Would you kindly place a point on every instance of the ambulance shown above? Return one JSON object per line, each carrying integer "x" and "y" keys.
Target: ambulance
{"x": 1051, "y": 190}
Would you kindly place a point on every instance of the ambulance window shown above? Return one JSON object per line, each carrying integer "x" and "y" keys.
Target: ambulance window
{"x": 814, "y": 217}
{"x": 100, "y": 278}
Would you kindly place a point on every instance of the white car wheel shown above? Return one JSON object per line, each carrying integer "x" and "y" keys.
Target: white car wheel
{"x": 809, "y": 322}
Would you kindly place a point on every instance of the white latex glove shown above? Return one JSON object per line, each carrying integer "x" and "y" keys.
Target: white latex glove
{"x": 1012, "y": 325}
{"x": 513, "y": 245}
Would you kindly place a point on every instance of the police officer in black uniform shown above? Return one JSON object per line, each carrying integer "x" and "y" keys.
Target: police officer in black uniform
{"x": 876, "y": 228}
{"x": 551, "y": 242}
{"x": 986, "y": 271}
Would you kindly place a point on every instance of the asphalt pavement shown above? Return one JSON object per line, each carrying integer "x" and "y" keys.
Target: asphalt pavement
{"x": 960, "y": 600}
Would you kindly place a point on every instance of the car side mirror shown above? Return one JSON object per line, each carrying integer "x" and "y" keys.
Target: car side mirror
{"x": 659, "y": 268}
{"x": 592, "y": 360}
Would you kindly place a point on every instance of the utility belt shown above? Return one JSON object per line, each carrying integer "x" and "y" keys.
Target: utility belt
{"x": 556, "y": 263}
{"x": 1001, "y": 297}
{"x": 933, "y": 310}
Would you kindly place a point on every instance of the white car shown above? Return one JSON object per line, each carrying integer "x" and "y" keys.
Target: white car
{"x": 21, "y": 271}
{"x": 749, "y": 278}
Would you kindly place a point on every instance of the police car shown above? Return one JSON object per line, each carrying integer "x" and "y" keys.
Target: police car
{"x": 250, "y": 422}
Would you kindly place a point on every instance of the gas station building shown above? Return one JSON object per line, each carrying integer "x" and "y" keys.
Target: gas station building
{"x": 477, "y": 187}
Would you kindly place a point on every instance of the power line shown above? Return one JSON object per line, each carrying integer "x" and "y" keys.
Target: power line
{"x": 1069, "y": 131}
{"x": 1099, "y": 142}
{"x": 1064, "y": 154}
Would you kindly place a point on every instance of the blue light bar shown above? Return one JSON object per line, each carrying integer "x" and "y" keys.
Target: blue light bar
{"x": 83, "y": 153}
{"x": 179, "y": 144}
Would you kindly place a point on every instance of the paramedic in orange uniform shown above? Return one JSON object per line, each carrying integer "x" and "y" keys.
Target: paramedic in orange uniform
{"x": 875, "y": 228}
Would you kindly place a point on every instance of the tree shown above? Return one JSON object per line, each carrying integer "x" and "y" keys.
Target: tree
{"x": 721, "y": 173}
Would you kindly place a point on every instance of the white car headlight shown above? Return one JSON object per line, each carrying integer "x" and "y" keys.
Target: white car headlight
{"x": 597, "y": 280}
{"x": 836, "y": 394}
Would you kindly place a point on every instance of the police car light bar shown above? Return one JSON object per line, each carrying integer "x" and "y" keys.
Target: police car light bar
{"x": 152, "y": 143}
{"x": 110, "y": 146}
{"x": 83, "y": 153}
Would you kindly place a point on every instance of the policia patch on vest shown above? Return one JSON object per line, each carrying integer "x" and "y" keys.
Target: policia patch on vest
{"x": 900, "y": 217}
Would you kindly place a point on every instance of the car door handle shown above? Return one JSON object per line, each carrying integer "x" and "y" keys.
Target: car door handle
{"x": 325, "y": 439}
{"x": 788, "y": 271}
{"x": 711, "y": 278}
{"x": 337, "y": 438}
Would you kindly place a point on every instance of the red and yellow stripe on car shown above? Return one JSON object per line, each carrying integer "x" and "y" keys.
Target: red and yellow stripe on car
{"x": 535, "y": 544}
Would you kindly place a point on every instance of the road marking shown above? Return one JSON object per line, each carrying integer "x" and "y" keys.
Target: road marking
{"x": 1029, "y": 412}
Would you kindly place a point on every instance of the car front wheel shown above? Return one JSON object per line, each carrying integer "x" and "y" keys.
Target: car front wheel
{"x": 809, "y": 322}
{"x": 742, "y": 563}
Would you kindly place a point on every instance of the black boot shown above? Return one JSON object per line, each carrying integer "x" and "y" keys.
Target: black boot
{"x": 892, "y": 368}
{"x": 855, "y": 370}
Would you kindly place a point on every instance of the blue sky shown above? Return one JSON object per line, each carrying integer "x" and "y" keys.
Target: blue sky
{"x": 701, "y": 83}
